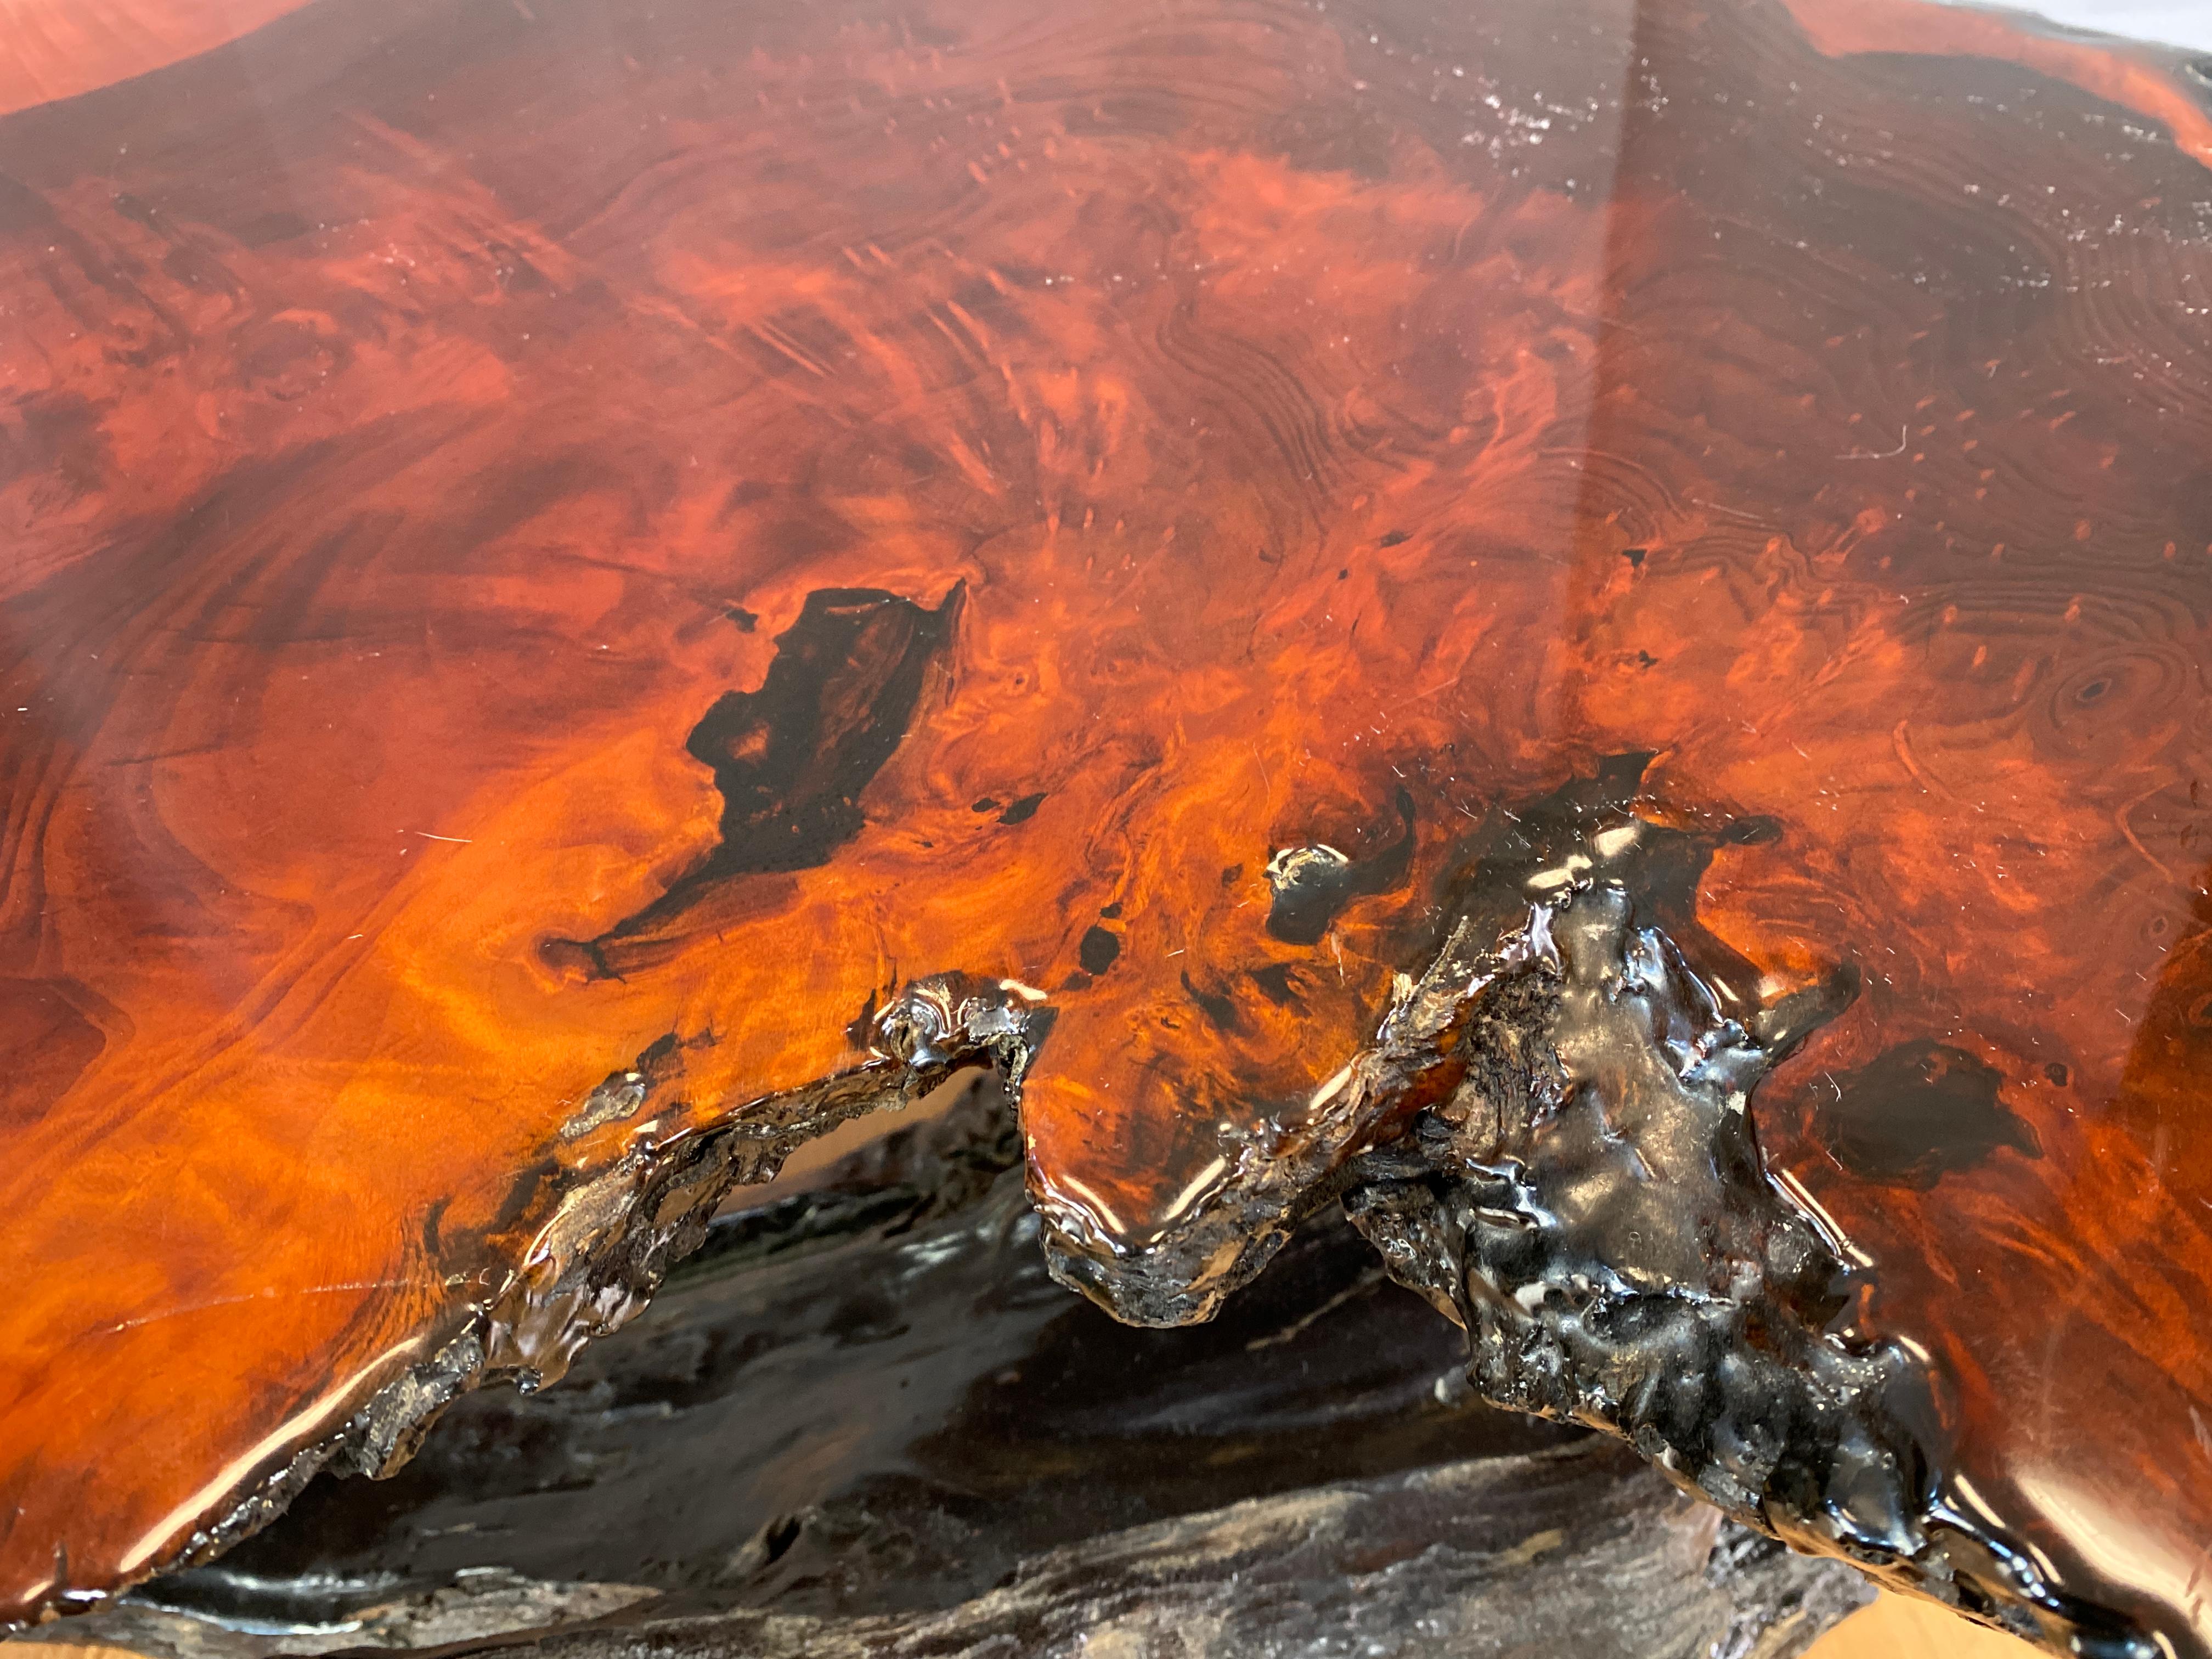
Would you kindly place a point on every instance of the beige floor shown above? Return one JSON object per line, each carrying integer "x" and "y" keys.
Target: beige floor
{"x": 1896, "y": 1628}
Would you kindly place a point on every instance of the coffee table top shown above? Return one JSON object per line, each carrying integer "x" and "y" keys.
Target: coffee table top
{"x": 578, "y": 572}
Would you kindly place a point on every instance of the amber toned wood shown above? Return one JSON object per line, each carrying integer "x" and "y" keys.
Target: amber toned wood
{"x": 1899, "y": 1627}
{"x": 49, "y": 51}
{"x": 1205, "y": 431}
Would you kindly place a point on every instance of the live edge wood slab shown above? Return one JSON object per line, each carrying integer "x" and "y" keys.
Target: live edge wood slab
{"x": 1441, "y": 606}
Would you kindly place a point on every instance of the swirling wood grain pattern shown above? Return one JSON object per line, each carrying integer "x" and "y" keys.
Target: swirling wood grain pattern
{"x": 1300, "y": 427}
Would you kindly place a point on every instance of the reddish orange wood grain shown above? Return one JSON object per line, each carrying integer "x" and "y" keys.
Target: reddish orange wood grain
{"x": 416, "y": 417}
{"x": 49, "y": 51}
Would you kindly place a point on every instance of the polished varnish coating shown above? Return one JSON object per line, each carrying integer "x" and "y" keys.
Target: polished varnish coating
{"x": 558, "y": 556}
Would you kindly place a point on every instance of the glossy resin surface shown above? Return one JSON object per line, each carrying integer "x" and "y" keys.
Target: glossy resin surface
{"x": 586, "y": 592}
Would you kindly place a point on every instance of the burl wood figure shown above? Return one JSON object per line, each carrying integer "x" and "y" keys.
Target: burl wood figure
{"x": 1446, "y": 608}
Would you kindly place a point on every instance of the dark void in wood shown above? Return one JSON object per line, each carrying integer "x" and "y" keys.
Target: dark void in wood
{"x": 1338, "y": 427}
{"x": 864, "y": 1419}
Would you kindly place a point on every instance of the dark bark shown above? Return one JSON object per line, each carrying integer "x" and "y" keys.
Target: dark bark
{"x": 864, "y": 1421}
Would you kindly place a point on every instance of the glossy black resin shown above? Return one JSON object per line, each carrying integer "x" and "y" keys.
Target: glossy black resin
{"x": 864, "y": 1415}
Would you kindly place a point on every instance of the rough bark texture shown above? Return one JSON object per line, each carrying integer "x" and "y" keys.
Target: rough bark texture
{"x": 1575, "y": 1551}
{"x": 864, "y": 1420}
{"x": 1502, "y": 1557}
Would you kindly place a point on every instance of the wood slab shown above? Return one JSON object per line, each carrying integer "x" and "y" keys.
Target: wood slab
{"x": 574, "y": 572}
